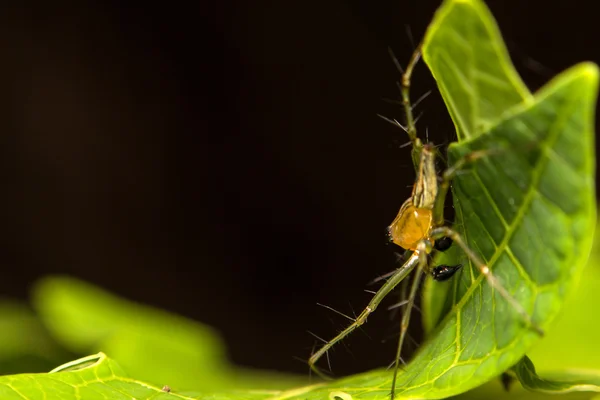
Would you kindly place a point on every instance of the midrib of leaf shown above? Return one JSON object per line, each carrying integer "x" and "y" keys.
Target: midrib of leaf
{"x": 532, "y": 190}
{"x": 503, "y": 246}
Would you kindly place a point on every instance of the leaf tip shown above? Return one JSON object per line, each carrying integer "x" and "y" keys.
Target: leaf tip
{"x": 474, "y": 3}
{"x": 590, "y": 71}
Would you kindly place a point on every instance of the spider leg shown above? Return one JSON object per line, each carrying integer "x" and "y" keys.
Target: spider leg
{"x": 403, "y": 300}
{"x": 422, "y": 261}
{"x": 387, "y": 287}
{"x": 404, "y": 86}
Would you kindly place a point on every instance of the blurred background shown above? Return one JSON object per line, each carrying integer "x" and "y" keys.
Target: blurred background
{"x": 223, "y": 160}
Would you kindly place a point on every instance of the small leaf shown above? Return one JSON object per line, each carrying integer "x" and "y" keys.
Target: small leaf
{"x": 562, "y": 382}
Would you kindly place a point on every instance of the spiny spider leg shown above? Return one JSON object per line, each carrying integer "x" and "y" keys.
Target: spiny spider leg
{"x": 409, "y": 229}
{"x": 407, "y": 313}
{"x": 411, "y": 127}
{"x": 389, "y": 285}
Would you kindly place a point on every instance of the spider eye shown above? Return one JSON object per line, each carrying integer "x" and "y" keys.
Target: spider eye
{"x": 442, "y": 273}
{"x": 388, "y": 235}
{"x": 442, "y": 244}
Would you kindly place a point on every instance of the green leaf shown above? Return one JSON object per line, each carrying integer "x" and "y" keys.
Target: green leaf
{"x": 96, "y": 378}
{"x": 564, "y": 381}
{"x": 528, "y": 210}
{"x": 527, "y": 207}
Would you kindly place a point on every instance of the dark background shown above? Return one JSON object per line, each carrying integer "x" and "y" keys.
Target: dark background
{"x": 224, "y": 161}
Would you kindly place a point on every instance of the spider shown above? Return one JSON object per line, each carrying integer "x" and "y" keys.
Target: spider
{"x": 420, "y": 229}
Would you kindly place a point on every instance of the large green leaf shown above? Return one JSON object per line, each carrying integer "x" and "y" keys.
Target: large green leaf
{"x": 529, "y": 211}
{"x": 528, "y": 208}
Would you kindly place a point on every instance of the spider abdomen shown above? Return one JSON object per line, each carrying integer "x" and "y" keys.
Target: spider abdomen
{"x": 412, "y": 225}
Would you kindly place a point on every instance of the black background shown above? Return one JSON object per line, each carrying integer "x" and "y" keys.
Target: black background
{"x": 224, "y": 160}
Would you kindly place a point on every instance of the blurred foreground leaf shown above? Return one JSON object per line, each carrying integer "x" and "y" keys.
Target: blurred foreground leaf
{"x": 25, "y": 344}
{"x": 150, "y": 344}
